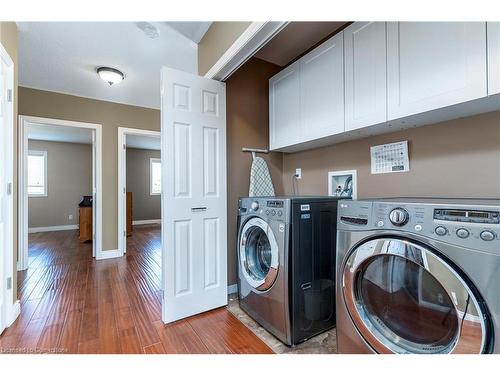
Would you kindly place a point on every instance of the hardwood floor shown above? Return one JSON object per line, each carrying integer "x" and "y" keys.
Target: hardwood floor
{"x": 71, "y": 303}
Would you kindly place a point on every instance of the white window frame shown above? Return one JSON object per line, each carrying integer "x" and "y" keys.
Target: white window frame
{"x": 151, "y": 161}
{"x": 46, "y": 182}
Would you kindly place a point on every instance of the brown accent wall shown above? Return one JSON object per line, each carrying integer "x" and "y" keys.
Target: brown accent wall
{"x": 110, "y": 115}
{"x": 8, "y": 38}
{"x": 458, "y": 158}
{"x": 69, "y": 177}
{"x": 216, "y": 41}
{"x": 144, "y": 205}
{"x": 247, "y": 113}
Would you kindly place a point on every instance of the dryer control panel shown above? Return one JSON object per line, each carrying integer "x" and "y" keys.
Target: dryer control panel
{"x": 463, "y": 223}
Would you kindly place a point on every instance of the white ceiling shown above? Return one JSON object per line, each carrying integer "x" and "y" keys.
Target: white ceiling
{"x": 191, "y": 30}
{"x": 63, "y": 56}
{"x": 56, "y": 133}
{"x": 144, "y": 142}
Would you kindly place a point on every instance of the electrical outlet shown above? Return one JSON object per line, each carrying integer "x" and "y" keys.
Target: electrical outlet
{"x": 70, "y": 217}
{"x": 298, "y": 173}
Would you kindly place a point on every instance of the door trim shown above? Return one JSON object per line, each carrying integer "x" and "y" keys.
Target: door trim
{"x": 122, "y": 179}
{"x": 24, "y": 121}
{"x": 248, "y": 43}
{"x": 10, "y": 305}
{"x": 350, "y": 272}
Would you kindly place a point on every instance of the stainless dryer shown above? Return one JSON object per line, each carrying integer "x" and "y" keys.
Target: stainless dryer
{"x": 418, "y": 276}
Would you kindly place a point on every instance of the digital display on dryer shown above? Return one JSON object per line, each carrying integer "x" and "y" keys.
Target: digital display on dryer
{"x": 275, "y": 204}
{"x": 469, "y": 216}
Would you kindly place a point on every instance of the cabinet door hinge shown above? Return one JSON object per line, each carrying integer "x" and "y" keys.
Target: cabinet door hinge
{"x": 9, "y": 95}
{"x": 9, "y": 283}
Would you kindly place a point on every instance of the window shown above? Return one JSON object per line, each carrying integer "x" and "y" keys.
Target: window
{"x": 155, "y": 176}
{"x": 37, "y": 173}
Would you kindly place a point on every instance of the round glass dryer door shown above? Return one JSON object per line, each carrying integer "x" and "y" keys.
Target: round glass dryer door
{"x": 403, "y": 298}
{"x": 258, "y": 254}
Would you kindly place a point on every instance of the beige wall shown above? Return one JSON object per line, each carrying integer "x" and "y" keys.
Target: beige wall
{"x": 144, "y": 205}
{"x": 8, "y": 38}
{"x": 218, "y": 38}
{"x": 247, "y": 113}
{"x": 110, "y": 116}
{"x": 458, "y": 158}
{"x": 69, "y": 177}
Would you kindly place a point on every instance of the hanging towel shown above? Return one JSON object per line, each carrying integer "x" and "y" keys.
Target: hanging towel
{"x": 261, "y": 184}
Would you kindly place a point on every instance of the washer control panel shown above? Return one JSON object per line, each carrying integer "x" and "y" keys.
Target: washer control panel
{"x": 271, "y": 209}
{"x": 468, "y": 225}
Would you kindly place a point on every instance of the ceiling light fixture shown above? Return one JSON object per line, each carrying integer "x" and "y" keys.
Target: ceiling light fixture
{"x": 111, "y": 76}
{"x": 148, "y": 29}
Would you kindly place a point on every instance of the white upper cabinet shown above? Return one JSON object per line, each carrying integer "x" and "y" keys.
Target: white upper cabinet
{"x": 365, "y": 74}
{"x": 493, "y": 32}
{"x": 322, "y": 90}
{"x": 432, "y": 65}
{"x": 284, "y": 107}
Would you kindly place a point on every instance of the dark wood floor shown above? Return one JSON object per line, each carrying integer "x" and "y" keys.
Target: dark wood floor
{"x": 71, "y": 303}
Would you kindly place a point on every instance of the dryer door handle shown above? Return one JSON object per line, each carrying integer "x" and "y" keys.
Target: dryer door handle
{"x": 306, "y": 286}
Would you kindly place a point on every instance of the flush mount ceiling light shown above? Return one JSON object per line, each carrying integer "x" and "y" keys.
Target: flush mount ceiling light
{"x": 148, "y": 29}
{"x": 111, "y": 76}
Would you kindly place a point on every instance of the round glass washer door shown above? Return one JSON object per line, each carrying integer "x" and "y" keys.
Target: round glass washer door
{"x": 259, "y": 257}
{"x": 403, "y": 298}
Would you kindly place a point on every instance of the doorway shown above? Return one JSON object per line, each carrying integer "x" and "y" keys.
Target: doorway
{"x": 139, "y": 189}
{"x": 47, "y": 148}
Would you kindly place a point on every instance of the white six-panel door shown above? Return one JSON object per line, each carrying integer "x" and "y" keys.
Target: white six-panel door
{"x": 3, "y": 142}
{"x": 194, "y": 223}
{"x": 6, "y": 190}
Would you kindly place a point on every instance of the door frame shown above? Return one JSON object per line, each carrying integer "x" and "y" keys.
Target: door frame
{"x": 24, "y": 121}
{"x": 122, "y": 179}
{"x": 10, "y": 306}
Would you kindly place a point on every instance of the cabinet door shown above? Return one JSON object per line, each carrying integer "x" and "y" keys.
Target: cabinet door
{"x": 322, "y": 90}
{"x": 284, "y": 108}
{"x": 365, "y": 74}
{"x": 432, "y": 65}
{"x": 493, "y": 57}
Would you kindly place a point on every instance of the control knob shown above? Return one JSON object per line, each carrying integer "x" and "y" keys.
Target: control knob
{"x": 399, "y": 217}
{"x": 462, "y": 233}
{"x": 440, "y": 230}
{"x": 487, "y": 235}
{"x": 255, "y": 205}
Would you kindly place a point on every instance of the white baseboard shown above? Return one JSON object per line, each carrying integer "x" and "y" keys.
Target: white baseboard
{"x": 143, "y": 222}
{"x": 14, "y": 312}
{"x": 54, "y": 228}
{"x": 108, "y": 254}
{"x": 232, "y": 289}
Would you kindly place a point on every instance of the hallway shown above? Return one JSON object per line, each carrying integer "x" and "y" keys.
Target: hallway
{"x": 71, "y": 303}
